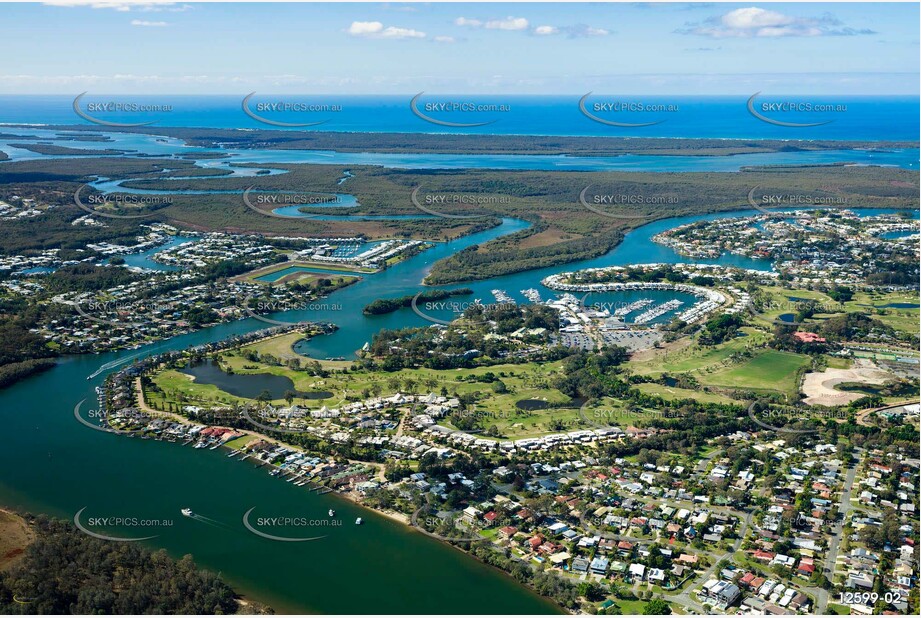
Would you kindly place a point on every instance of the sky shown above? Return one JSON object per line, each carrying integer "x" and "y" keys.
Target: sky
{"x": 69, "y": 46}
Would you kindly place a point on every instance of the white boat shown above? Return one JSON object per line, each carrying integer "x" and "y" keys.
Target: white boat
{"x": 358, "y": 521}
{"x": 332, "y": 513}
{"x": 188, "y": 512}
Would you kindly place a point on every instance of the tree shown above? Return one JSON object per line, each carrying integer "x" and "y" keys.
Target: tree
{"x": 657, "y": 607}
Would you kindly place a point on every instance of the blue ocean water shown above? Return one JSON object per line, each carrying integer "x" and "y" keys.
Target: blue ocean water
{"x": 873, "y": 118}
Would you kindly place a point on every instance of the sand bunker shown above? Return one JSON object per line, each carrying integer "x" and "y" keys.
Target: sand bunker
{"x": 819, "y": 388}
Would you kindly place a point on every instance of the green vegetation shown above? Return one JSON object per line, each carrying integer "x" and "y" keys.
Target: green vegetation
{"x": 561, "y": 230}
{"x": 482, "y": 144}
{"x": 13, "y": 372}
{"x": 769, "y": 370}
{"x": 701, "y": 359}
{"x": 383, "y": 306}
{"x": 50, "y": 149}
{"x": 64, "y": 571}
{"x": 674, "y": 393}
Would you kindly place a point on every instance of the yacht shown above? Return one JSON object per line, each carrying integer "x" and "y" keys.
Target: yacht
{"x": 358, "y": 521}
{"x": 332, "y": 513}
{"x": 188, "y": 512}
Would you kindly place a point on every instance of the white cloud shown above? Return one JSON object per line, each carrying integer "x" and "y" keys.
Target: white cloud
{"x": 154, "y": 6}
{"x": 464, "y": 21}
{"x": 509, "y": 23}
{"x": 402, "y": 33}
{"x": 148, "y": 24}
{"x": 582, "y": 30}
{"x": 518, "y": 24}
{"x": 546, "y": 30}
{"x": 365, "y": 28}
{"x": 753, "y": 17}
{"x": 761, "y": 23}
{"x": 444, "y": 39}
{"x": 375, "y": 29}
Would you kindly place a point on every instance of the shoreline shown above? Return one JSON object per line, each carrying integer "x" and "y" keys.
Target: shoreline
{"x": 764, "y": 143}
{"x": 349, "y": 496}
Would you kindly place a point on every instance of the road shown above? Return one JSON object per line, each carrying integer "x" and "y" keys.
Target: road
{"x": 834, "y": 543}
{"x": 684, "y": 597}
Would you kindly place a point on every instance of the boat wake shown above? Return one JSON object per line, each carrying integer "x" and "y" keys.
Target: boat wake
{"x": 209, "y": 521}
{"x": 113, "y": 364}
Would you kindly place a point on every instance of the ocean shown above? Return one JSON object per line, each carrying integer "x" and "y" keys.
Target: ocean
{"x": 870, "y": 118}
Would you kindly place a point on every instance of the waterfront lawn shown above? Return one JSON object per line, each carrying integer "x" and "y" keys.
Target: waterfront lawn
{"x": 281, "y": 347}
{"x": 628, "y": 608}
{"x": 240, "y": 442}
{"x": 768, "y": 370}
{"x": 178, "y": 389}
{"x": 300, "y": 269}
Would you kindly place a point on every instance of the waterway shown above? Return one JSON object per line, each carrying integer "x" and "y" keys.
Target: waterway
{"x": 151, "y": 145}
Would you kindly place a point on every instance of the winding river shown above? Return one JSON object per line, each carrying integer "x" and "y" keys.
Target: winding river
{"x": 54, "y": 465}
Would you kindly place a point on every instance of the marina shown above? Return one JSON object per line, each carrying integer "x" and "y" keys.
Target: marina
{"x": 634, "y": 306}
{"x": 532, "y": 295}
{"x": 651, "y": 314}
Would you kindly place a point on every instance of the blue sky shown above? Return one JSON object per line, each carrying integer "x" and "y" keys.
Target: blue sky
{"x": 68, "y": 46}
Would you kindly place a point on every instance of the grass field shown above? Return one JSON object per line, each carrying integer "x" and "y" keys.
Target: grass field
{"x": 696, "y": 358}
{"x": 240, "y": 442}
{"x": 282, "y": 347}
{"x": 673, "y": 393}
{"x": 522, "y": 381}
{"x": 837, "y": 362}
{"x": 872, "y": 304}
{"x": 15, "y": 536}
{"x": 901, "y": 319}
{"x": 768, "y": 370}
{"x": 304, "y": 276}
